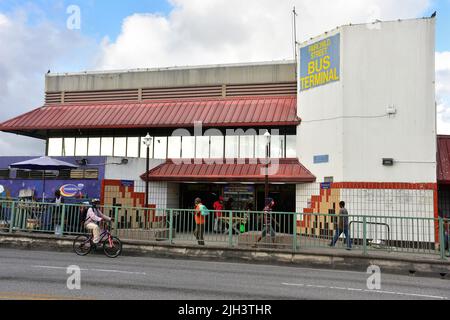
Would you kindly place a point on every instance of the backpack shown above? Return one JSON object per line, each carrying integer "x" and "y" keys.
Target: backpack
{"x": 204, "y": 210}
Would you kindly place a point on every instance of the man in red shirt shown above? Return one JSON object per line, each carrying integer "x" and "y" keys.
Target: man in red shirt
{"x": 218, "y": 223}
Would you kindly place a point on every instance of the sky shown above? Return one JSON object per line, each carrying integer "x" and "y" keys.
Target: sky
{"x": 41, "y": 35}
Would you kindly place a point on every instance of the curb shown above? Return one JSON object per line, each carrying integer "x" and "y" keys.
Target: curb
{"x": 336, "y": 260}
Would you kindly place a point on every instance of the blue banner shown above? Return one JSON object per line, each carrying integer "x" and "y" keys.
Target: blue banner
{"x": 320, "y": 63}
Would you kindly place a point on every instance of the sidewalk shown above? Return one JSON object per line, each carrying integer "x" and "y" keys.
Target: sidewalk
{"x": 326, "y": 258}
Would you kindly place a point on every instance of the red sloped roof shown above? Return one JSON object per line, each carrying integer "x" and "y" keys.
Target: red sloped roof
{"x": 443, "y": 160}
{"x": 213, "y": 112}
{"x": 226, "y": 170}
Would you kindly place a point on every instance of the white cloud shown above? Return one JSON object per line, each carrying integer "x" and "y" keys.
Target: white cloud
{"x": 228, "y": 31}
{"x": 27, "y": 52}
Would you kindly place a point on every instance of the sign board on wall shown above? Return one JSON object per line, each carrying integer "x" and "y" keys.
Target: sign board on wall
{"x": 321, "y": 159}
{"x": 320, "y": 63}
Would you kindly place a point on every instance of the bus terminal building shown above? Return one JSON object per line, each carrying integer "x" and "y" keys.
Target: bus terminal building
{"x": 354, "y": 120}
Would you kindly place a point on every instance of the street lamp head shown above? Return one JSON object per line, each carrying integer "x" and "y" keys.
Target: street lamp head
{"x": 148, "y": 140}
{"x": 267, "y": 136}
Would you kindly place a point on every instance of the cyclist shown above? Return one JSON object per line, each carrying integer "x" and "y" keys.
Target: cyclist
{"x": 93, "y": 216}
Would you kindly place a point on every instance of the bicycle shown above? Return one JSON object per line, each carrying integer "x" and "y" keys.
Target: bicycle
{"x": 112, "y": 246}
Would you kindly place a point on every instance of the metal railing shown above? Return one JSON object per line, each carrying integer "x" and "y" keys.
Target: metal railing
{"x": 243, "y": 229}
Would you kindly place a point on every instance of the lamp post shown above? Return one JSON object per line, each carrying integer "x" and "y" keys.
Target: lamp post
{"x": 147, "y": 142}
{"x": 267, "y": 137}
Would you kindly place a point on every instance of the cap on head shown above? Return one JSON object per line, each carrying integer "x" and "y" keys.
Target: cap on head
{"x": 220, "y": 198}
{"x": 95, "y": 201}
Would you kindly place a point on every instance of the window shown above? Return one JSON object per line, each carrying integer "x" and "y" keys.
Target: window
{"x": 81, "y": 147}
{"x": 202, "y": 147}
{"x": 260, "y": 146}
{"x": 94, "y": 147}
{"x": 91, "y": 174}
{"x": 120, "y": 147}
{"x": 174, "y": 147}
{"x": 188, "y": 147}
{"x": 35, "y": 174}
{"x": 107, "y": 146}
{"x": 160, "y": 148}
{"x": 84, "y": 174}
{"x": 55, "y": 147}
{"x": 277, "y": 147}
{"x": 69, "y": 147}
{"x": 64, "y": 174}
{"x": 217, "y": 147}
{"x": 144, "y": 148}
{"x": 133, "y": 147}
{"x": 246, "y": 146}
{"x": 4, "y": 174}
{"x": 231, "y": 147}
{"x": 291, "y": 146}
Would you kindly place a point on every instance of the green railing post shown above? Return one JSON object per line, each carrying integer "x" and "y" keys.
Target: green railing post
{"x": 441, "y": 238}
{"x": 294, "y": 225}
{"x": 364, "y": 235}
{"x": 230, "y": 230}
{"x": 116, "y": 220}
{"x": 12, "y": 218}
{"x": 63, "y": 218}
{"x": 170, "y": 226}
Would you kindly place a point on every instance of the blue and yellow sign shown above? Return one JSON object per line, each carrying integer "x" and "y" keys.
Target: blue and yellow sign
{"x": 320, "y": 63}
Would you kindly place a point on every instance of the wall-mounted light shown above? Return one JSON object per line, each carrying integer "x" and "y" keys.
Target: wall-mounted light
{"x": 82, "y": 162}
{"x": 388, "y": 162}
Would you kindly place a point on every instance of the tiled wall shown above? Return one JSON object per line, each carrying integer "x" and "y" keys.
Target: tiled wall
{"x": 379, "y": 201}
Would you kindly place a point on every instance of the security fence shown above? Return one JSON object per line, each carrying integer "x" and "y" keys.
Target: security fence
{"x": 240, "y": 229}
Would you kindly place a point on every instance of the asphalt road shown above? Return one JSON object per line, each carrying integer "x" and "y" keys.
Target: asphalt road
{"x": 38, "y": 275}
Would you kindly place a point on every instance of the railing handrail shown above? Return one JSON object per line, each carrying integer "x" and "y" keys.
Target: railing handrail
{"x": 351, "y": 217}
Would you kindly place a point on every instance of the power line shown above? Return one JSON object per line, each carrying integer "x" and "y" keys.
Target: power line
{"x": 347, "y": 117}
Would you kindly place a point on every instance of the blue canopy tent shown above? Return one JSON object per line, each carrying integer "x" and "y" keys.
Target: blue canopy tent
{"x": 43, "y": 164}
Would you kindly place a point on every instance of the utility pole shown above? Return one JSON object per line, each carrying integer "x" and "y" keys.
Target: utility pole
{"x": 294, "y": 31}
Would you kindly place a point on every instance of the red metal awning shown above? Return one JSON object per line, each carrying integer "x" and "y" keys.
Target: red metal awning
{"x": 443, "y": 160}
{"x": 177, "y": 113}
{"x": 226, "y": 170}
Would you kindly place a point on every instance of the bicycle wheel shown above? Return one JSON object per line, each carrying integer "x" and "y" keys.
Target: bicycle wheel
{"x": 114, "y": 249}
{"x": 82, "y": 245}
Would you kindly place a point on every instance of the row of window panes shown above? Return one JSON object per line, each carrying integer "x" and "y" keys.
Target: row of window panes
{"x": 175, "y": 147}
{"x": 61, "y": 174}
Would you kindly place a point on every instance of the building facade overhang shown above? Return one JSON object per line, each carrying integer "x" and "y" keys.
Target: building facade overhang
{"x": 443, "y": 159}
{"x": 230, "y": 171}
{"x": 239, "y": 112}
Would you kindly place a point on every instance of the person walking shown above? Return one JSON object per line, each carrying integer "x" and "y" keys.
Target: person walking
{"x": 267, "y": 222}
{"x": 57, "y": 212}
{"x": 200, "y": 213}
{"x": 342, "y": 227}
{"x": 218, "y": 223}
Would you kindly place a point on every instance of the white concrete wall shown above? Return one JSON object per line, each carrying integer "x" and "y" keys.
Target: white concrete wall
{"x": 401, "y": 203}
{"x": 173, "y": 196}
{"x": 321, "y": 137}
{"x": 245, "y": 73}
{"x": 157, "y": 195}
{"x": 391, "y": 63}
{"x": 131, "y": 171}
{"x": 303, "y": 195}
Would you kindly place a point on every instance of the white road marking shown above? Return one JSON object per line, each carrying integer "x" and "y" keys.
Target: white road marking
{"x": 365, "y": 290}
{"x": 118, "y": 271}
{"x": 95, "y": 270}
